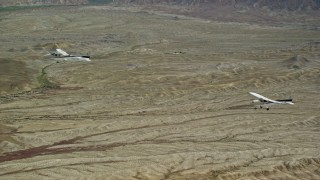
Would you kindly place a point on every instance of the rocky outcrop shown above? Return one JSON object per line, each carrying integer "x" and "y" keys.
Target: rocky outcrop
{"x": 296, "y": 62}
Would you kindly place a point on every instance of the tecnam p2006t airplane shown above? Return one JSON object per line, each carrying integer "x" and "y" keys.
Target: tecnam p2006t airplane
{"x": 60, "y": 54}
{"x": 266, "y": 102}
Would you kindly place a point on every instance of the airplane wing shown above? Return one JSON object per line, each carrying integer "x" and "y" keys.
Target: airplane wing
{"x": 264, "y": 98}
{"x": 63, "y": 53}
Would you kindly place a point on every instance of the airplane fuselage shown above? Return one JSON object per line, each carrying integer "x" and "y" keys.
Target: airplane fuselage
{"x": 266, "y": 102}
{"x": 71, "y": 57}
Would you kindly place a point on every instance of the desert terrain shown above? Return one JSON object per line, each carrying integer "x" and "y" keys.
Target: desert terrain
{"x": 164, "y": 97}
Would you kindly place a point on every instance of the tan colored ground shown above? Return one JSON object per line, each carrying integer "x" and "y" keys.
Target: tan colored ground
{"x": 165, "y": 97}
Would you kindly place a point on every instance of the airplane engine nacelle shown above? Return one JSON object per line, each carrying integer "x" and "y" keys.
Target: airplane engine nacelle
{"x": 255, "y": 101}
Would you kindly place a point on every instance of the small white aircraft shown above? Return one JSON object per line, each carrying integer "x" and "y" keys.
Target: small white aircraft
{"x": 266, "y": 102}
{"x": 65, "y": 56}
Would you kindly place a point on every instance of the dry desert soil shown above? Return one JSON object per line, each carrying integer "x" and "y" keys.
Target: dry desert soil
{"x": 164, "y": 97}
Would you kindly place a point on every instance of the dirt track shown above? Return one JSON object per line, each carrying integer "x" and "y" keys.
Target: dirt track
{"x": 165, "y": 97}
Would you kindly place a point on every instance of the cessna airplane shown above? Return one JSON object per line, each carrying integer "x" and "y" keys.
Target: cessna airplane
{"x": 266, "y": 102}
{"x": 65, "y": 56}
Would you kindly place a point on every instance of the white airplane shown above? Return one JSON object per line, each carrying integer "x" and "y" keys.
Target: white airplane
{"x": 266, "y": 102}
{"x": 65, "y": 56}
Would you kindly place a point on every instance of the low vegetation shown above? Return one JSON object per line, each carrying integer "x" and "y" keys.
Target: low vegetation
{"x": 45, "y": 83}
{"x": 16, "y": 8}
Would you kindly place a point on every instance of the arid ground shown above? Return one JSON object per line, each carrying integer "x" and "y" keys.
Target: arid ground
{"x": 164, "y": 97}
